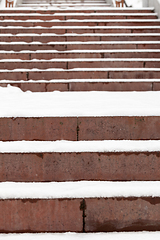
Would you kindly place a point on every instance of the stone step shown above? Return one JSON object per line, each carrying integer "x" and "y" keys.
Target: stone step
{"x": 79, "y": 30}
{"x": 61, "y": 128}
{"x": 80, "y": 73}
{"x": 80, "y": 63}
{"x": 79, "y": 15}
{"x": 86, "y": 85}
{"x": 93, "y": 22}
{"x": 34, "y": 47}
{"x": 62, "y": 161}
{"x": 136, "y": 210}
{"x": 109, "y": 54}
{"x": 79, "y": 116}
{"x": 91, "y": 9}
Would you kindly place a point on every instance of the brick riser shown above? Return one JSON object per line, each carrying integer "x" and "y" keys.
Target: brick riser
{"x": 92, "y": 166}
{"x": 91, "y": 215}
{"x": 81, "y": 128}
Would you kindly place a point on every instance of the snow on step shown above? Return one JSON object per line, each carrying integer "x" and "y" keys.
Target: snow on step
{"x": 81, "y": 189}
{"x": 83, "y": 27}
{"x": 84, "y": 20}
{"x": 84, "y": 236}
{"x": 79, "y": 14}
{"x": 19, "y": 104}
{"x": 52, "y": 8}
{"x": 83, "y": 43}
{"x": 82, "y": 81}
{"x": 82, "y": 70}
{"x": 83, "y": 59}
{"x": 87, "y": 51}
{"x": 80, "y": 146}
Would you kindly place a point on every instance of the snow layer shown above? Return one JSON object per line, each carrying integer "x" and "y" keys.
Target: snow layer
{"x": 79, "y": 14}
{"x": 80, "y": 146}
{"x": 83, "y": 236}
{"x": 27, "y": 104}
{"x": 84, "y": 60}
{"x": 80, "y": 189}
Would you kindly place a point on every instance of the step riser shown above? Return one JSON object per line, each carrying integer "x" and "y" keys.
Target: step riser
{"x": 48, "y": 56}
{"x": 33, "y": 215}
{"x": 87, "y": 86}
{"x": 67, "y": 47}
{"x": 78, "y": 64}
{"x": 50, "y": 75}
{"x": 132, "y": 214}
{"x": 45, "y": 167}
{"x": 83, "y": 128}
{"x": 92, "y": 215}
{"x": 50, "y": 24}
{"x": 46, "y": 18}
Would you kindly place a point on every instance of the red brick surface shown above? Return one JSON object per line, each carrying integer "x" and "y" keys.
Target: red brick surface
{"x": 33, "y": 215}
{"x": 156, "y": 86}
{"x": 49, "y": 75}
{"x": 16, "y": 38}
{"x": 32, "y": 47}
{"x": 131, "y": 128}
{"x": 122, "y": 214}
{"x": 134, "y": 74}
{"x": 41, "y": 167}
{"x": 111, "y": 86}
{"x": 132, "y": 55}
{"x": 130, "y": 38}
{"x": 56, "y": 128}
{"x": 30, "y": 65}
{"x": 79, "y": 11}
{"x": 65, "y": 55}
{"x": 13, "y": 76}
{"x": 22, "y": 56}
{"x": 106, "y": 64}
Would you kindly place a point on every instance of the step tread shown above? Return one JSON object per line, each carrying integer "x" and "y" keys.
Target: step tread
{"x": 78, "y": 103}
{"x": 80, "y": 189}
{"x": 85, "y": 236}
{"x": 80, "y": 146}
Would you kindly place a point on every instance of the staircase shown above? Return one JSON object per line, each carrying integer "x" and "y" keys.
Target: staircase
{"x": 65, "y": 4}
{"x": 84, "y": 158}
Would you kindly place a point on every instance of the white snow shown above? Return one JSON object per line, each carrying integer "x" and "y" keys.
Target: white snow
{"x": 86, "y": 51}
{"x": 82, "y": 70}
{"x": 80, "y": 146}
{"x": 27, "y": 104}
{"x": 81, "y": 80}
{"x": 86, "y": 43}
{"x": 84, "y": 60}
{"x": 78, "y": 14}
{"x": 82, "y": 20}
{"x": 80, "y": 189}
{"x": 83, "y": 236}
{"x": 81, "y": 27}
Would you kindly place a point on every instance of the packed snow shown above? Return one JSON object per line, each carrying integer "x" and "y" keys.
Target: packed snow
{"x": 80, "y": 146}
{"x": 80, "y": 189}
{"x": 83, "y": 236}
{"x": 52, "y": 104}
